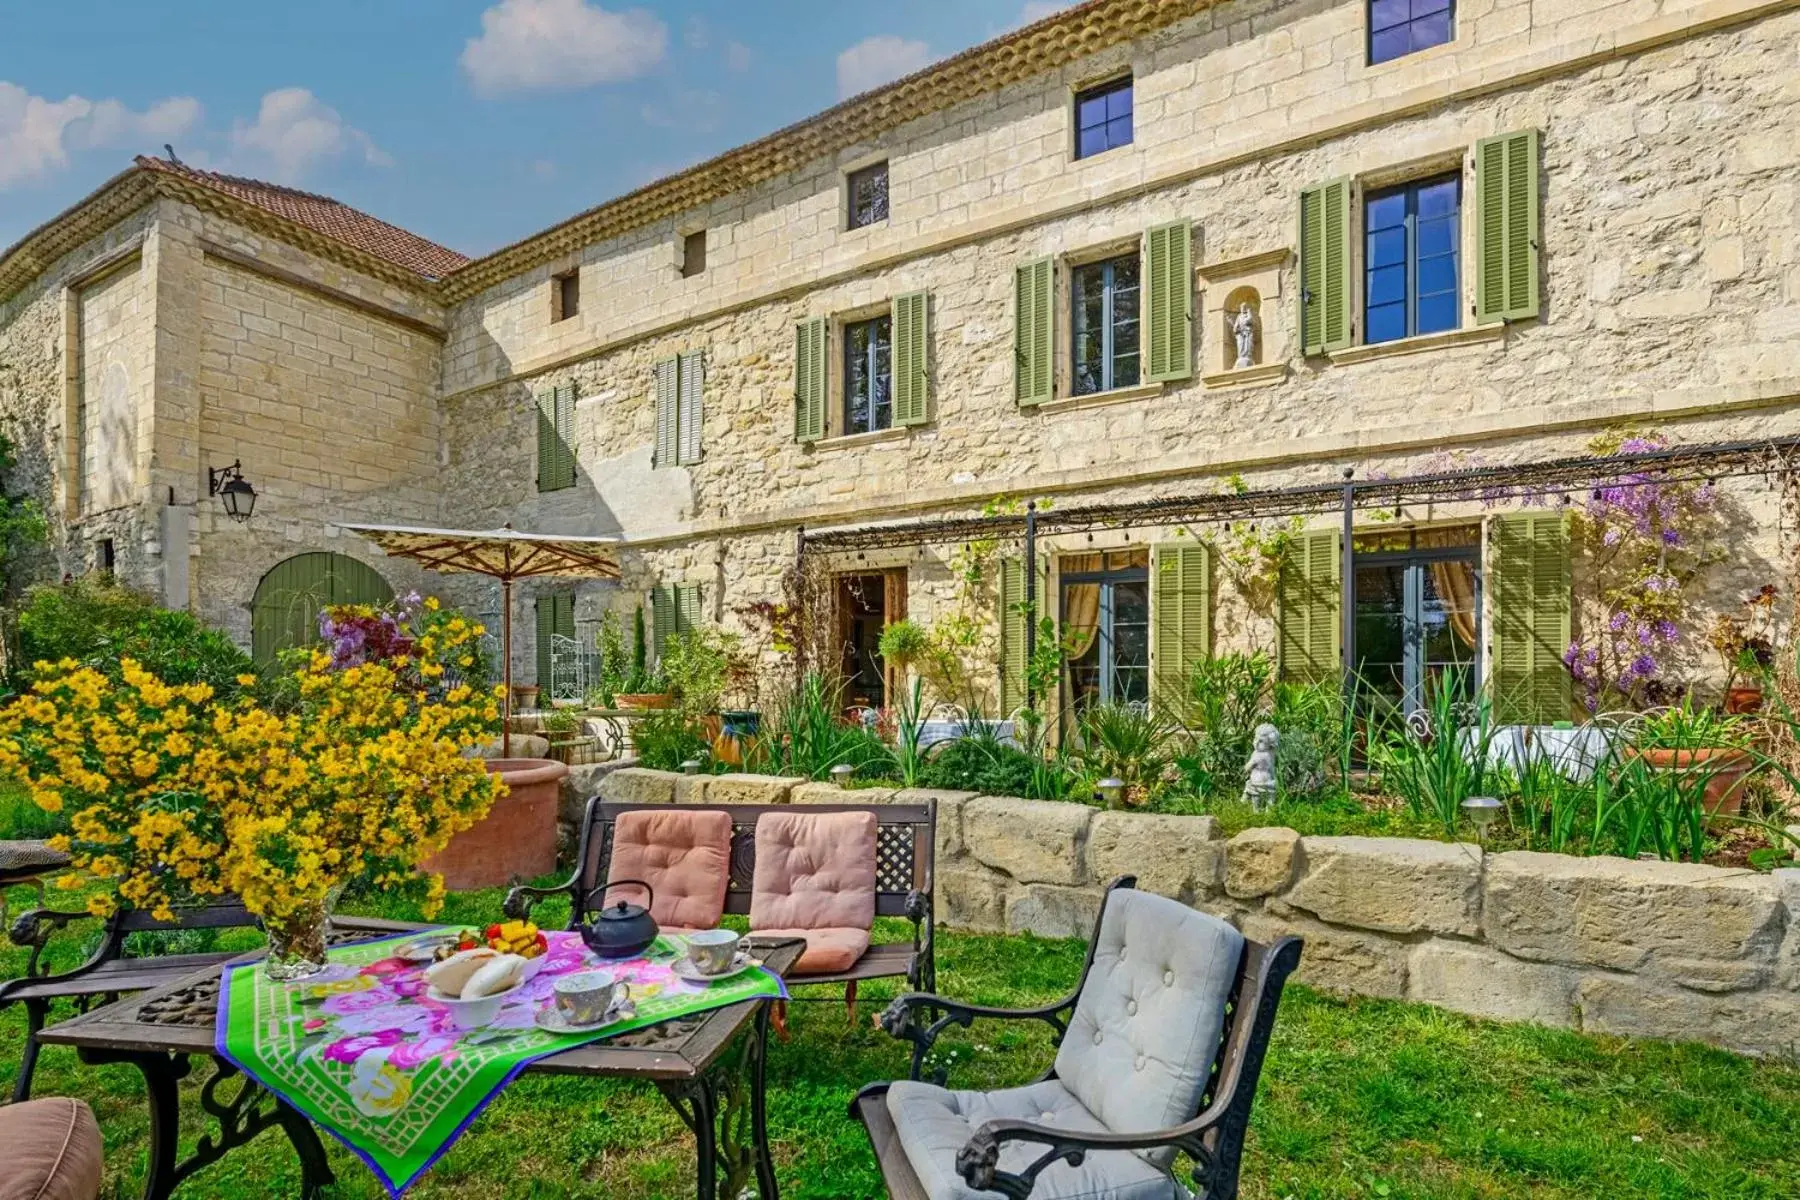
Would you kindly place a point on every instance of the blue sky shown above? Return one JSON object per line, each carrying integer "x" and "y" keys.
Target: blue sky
{"x": 471, "y": 122}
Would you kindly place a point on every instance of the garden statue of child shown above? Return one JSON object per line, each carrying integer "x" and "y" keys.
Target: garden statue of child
{"x": 1259, "y": 788}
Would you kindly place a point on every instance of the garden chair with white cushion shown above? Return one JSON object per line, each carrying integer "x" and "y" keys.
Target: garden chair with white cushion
{"x": 1160, "y": 1048}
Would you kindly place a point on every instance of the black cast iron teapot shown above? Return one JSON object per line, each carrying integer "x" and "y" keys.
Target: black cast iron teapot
{"x": 620, "y": 929}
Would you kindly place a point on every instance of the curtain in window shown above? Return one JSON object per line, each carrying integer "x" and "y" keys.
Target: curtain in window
{"x": 1455, "y": 583}
{"x": 1081, "y": 617}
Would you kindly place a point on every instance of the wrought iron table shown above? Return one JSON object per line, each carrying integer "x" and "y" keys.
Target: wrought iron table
{"x": 717, "y": 1092}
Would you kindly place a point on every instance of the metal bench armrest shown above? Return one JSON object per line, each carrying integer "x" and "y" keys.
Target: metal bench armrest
{"x": 34, "y": 929}
{"x": 522, "y": 899}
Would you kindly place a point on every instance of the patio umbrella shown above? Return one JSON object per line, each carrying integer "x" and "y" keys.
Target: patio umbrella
{"x": 502, "y": 554}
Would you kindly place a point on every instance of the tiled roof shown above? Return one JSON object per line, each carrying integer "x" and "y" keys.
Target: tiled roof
{"x": 327, "y": 216}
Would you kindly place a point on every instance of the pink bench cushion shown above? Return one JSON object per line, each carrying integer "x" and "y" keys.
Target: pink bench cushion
{"x": 685, "y": 857}
{"x": 815, "y": 878}
{"x": 52, "y": 1151}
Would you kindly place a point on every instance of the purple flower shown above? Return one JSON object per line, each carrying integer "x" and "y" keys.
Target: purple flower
{"x": 348, "y": 1050}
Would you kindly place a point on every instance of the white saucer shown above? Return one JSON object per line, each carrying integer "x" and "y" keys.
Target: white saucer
{"x": 684, "y": 968}
{"x": 551, "y": 1019}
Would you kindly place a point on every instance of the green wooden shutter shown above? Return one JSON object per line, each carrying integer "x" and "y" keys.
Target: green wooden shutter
{"x": 1533, "y": 602}
{"x": 1034, "y": 336}
{"x": 662, "y": 617}
{"x": 1309, "y": 591}
{"x": 1180, "y": 615}
{"x": 1325, "y": 267}
{"x": 565, "y": 435}
{"x": 809, "y": 380}
{"x": 668, "y": 404}
{"x": 555, "y": 618}
{"x": 546, "y": 440}
{"x": 687, "y": 607}
{"x": 912, "y": 350}
{"x": 284, "y": 611}
{"x": 1507, "y": 227}
{"x": 1169, "y": 272}
{"x": 1012, "y": 635}
{"x": 691, "y": 389}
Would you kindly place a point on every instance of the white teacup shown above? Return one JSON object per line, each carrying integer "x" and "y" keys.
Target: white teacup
{"x": 712, "y": 951}
{"x": 589, "y": 997}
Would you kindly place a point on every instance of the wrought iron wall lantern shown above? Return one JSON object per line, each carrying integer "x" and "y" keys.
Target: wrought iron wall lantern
{"x": 230, "y": 486}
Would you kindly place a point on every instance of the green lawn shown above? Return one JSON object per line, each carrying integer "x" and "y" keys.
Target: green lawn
{"x": 1359, "y": 1098}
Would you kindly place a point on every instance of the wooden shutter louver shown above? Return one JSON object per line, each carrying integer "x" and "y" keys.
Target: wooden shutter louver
{"x": 1012, "y": 635}
{"x": 1180, "y": 616}
{"x": 809, "y": 380}
{"x": 691, "y": 388}
{"x": 662, "y": 617}
{"x": 1310, "y": 594}
{"x": 668, "y": 404}
{"x": 1533, "y": 618}
{"x": 565, "y": 435}
{"x": 1034, "y": 338}
{"x": 1169, "y": 274}
{"x": 912, "y": 349}
{"x": 1325, "y": 294}
{"x": 1507, "y": 227}
{"x": 687, "y": 607}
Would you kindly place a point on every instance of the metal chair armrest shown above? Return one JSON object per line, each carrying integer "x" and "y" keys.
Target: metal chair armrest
{"x": 902, "y": 1020}
{"x": 978, "y": 1160}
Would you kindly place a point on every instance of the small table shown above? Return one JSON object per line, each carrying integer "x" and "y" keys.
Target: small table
{"x": 688, "y": 1060}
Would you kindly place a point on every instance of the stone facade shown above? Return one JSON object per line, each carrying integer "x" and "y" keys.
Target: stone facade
{"x": 1676, "y": 951}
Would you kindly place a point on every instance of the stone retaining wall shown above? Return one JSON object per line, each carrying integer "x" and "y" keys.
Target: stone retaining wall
{"x": 1608, "y": 945}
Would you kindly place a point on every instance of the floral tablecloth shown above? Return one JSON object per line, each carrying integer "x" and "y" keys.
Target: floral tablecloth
{"x": 364, "y": 1053}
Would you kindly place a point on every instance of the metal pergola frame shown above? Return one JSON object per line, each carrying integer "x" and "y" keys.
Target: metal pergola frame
{"x": 1551, "y": 481}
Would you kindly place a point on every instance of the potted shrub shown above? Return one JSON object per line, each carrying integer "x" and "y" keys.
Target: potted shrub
{"x": 1699, "y": 744}
{"x": 644, "y": 687}
{"x": 1745, "y": 645}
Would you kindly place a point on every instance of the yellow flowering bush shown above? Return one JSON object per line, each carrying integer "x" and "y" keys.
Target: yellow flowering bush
{"x": 358, "y": 778}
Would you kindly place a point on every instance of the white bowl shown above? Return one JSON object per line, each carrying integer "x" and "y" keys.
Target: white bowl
{"x": 473, "y": 1014}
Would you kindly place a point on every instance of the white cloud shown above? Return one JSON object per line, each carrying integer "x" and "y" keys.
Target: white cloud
{"x": 737, "y": 57}
{"x": 526, "y": 44}
{"x": 294, "y": 131}
{"x": 1037, "y": 10}
{"x": 878, "y": 60}
{"x": 37, "y": 134}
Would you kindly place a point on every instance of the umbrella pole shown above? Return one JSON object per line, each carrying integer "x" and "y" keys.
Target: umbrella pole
{"x": 506, "y": 669}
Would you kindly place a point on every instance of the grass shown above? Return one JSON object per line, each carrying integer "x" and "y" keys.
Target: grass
{"x": 1360, "y": 1098}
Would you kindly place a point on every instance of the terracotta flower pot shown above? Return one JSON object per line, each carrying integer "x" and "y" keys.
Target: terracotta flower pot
{"x": 517, "y": 839}
{"x": 1726, "y": 769}
{"x": 525, "y": 696}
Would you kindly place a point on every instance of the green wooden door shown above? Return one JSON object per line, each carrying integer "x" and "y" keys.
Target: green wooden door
{"x": 285, "y": 610}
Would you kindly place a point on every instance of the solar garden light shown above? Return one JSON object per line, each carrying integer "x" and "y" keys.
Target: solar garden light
{"x": 1110, "y": 791}
{"x": 691, "y": 767}
{"x": 1481, "y": 812}
{"x": 841, "y": 774}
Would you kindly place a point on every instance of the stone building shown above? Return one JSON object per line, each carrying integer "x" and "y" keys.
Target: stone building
{"x": 1136, "y": 250}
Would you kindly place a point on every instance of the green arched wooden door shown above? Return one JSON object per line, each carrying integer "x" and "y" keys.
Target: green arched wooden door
{"x": 285, "y": 611}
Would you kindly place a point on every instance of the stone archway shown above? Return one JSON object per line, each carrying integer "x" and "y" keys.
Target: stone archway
{"x": 285, "y": 610}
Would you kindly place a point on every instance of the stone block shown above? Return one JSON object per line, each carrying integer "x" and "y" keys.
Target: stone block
{"x": 950, "y": 844}
{"x": 1260, "y": 862}
{"x": 639, "y": 785}
{"x": 583, "y": 783}
{"x": 1750, "y": 1023}
{"x": 831, "y": 793}
{"x": 1393, "y": 885}
{"x": 1486, "y": 983}
{"x": 971, "y": 898}
{"x": 751, "y": 789}
{"x": 1178, "y": 857}
{"x": 1033, "y": 841}
{"x": 523, "y": 745}
{"x": 1347, "y": 962}
{"x": 1054, "y": 912}
{"x": 1720, "y": 928}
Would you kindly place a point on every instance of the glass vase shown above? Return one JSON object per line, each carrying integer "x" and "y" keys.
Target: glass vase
{"x": 297, "y": 941}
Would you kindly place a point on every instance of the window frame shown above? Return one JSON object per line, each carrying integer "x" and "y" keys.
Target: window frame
{"x": 1102, "y": 90}
{"x": 560, "y": 285}
{"x": 1073, "y": 270}
{"x": 852, "y": 179}
{"x": 1369, "y": 32}
{"x": 685, "y": 264}
{"x": 1410, "y": 188}
{"x": 846, "y": 392}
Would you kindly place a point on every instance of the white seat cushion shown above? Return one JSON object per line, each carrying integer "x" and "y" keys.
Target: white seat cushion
{"x": 933, "y": 1124}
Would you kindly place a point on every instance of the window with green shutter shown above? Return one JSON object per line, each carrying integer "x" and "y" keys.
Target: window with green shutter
{"x": 1507, "y": 227}
{"x": 1169, "y": 278}
{"x": 555, "y": 619}
{"x": 1310, "y": 596}
{"x": 556, "y": 438}
{"x": 680, "y": 396}
{"x": 810, "y": 357}
{"x": 674, "y": 610}
{"x": 1034, "y": 337}
{"x": 1180, "y": 616}
{"x": 1530, "y": 578}
{"x": 912, "y": 352}
{"x": 1325, "y": 267}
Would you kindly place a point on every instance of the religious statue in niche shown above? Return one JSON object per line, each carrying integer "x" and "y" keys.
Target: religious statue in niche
{"x": 1243, "y": 331}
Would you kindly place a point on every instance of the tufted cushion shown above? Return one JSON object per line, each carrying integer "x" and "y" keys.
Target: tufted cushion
{"x": 1146, "y": 1029}
{"x": 828, "y": 951}
{"x": 933, "y": 1124}
{"x": 52, "y": 1151}
{"x": 814, "y": 871}
{"x": 684, "y": 855}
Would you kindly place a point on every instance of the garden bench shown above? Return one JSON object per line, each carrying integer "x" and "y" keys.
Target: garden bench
{"x": 905, "y": 840}
{"x": 108, "y": 971}
{"x": 1160, "y": 1047}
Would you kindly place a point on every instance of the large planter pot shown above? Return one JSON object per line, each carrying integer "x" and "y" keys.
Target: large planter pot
{"x": 736, "y": 727}
{"x": 517, "y": 839}
{"x": 1726, "y": 770}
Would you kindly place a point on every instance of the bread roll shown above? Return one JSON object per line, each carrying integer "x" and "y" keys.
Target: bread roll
{"x": 500, "y": 974}
{"x": 453, "y": 974}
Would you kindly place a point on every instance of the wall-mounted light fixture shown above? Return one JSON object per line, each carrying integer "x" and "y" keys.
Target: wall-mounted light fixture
{"x": 230, "y": 486}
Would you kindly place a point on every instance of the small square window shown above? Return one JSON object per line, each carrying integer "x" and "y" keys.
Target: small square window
{"x": 565, "y": 296}
{"x": 1401, "y": 27}
{"x": 1103, "y": 118}
{"x": 693, "y": 254}
{"x": 868, "y": 192}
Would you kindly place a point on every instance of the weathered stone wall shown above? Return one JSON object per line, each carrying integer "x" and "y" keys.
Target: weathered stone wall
{"x": 1607, "y": 945}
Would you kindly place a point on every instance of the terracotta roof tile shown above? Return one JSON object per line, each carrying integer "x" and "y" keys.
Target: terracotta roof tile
{"x": 326, "y": 216}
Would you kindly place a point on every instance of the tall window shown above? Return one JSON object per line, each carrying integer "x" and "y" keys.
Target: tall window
{"x": 1418, "y": 614}
{"x": 868, "y": 190}
{"x": 1105, "y": 325}
{"x": 868, "y": 375}
{"x": 566, "y": 299}
{"x": 1105, "y": 618}
{"x": 1103, "y": 118}
{"x": 1399, "y": 27}
{"x": 1410, "y": 268}
{"x": 693, "y": 253}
